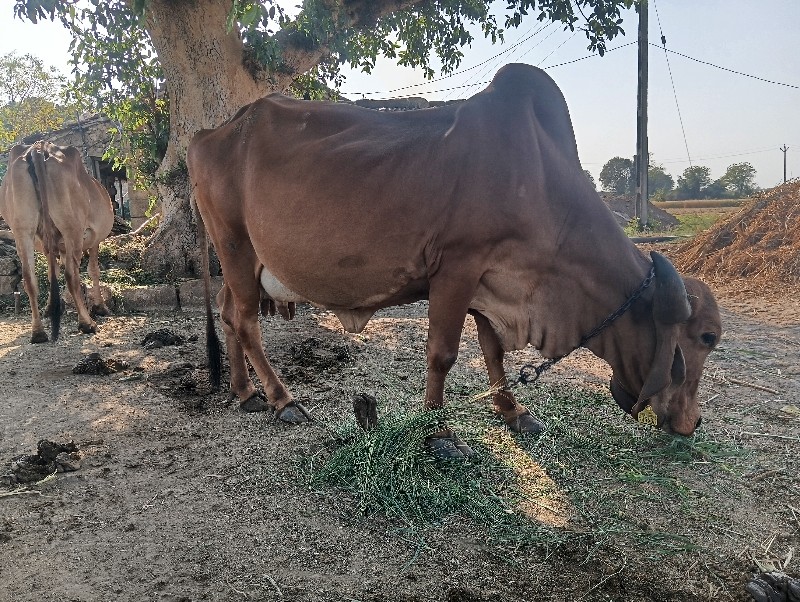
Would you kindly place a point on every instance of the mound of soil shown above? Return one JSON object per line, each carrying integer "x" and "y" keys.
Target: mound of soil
{"x": 761, "y": 242}
{"x": 624, "y": 209}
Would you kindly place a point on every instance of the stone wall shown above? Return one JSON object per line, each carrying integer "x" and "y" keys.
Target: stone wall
{"x": 10, "y": 274}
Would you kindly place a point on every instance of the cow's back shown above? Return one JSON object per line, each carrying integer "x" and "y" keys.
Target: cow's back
{"x": 351, "y": 207}
{"x": 78, "y": 204}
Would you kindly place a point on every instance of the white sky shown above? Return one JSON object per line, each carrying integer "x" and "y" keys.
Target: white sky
{"x": 728, "y": 118}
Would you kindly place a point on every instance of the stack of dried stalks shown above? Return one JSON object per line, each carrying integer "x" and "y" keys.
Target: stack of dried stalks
{"x": 760, "y": 243}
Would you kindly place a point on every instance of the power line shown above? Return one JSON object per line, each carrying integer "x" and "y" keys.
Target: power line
{"x": 709, "y": 157}
{"x": 519, "y": 41}
{"x": 495, "y": 58}
{"x": 769, "y": 81}
{"x": 556, "y": 49}
{"x": 588, "y": 56}
{"x": 672, "y": 81}
{"x": 393, "y": 90}
{"x": 726, "y": 156}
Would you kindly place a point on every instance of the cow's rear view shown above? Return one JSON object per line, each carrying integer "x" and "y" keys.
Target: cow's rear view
{"x": 52, "y": 204}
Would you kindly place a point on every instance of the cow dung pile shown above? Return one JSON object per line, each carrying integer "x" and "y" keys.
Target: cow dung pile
{"x": 760, "y": 243}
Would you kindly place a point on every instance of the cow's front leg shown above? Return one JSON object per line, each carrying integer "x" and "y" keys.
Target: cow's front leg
{"x": 516, "y": 416}
{"x": 447, "y": 310}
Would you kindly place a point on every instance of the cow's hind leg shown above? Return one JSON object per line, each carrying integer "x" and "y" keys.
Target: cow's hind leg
{"x": 99, "y": 307}
{"x": 516, "y": 416}
{"x": 241, "y": 384}
{"x": 31, "y": 285}
{"x": 72, "y": 258}
{"x": 240, "y": 308}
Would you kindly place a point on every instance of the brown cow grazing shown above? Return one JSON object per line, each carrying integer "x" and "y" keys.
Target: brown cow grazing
{"x": 481, "y": 208}
{"x": 50, "y": 202}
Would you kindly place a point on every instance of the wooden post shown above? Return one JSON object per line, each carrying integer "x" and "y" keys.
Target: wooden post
{"x": 642, "y": 153}
{"x": 784, "y": 148}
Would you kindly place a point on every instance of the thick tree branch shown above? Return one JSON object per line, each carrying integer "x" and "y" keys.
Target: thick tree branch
{"x": 296, "y": 55}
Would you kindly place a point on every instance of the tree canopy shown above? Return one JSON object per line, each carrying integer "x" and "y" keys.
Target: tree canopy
{"x": 166, "y": 68}
{"x": 31, "y": 98}
{"x": 660, "y": 183}
{"x": 617, "y": 175}
{"x": 740, "y": 179}
{"x": 693, "y": 180}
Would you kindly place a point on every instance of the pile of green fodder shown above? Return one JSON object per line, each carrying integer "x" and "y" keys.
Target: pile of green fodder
{"x": 389, "y": 471}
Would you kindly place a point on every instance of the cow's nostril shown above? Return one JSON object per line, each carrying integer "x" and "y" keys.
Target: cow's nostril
{"x": 699, "y": 422}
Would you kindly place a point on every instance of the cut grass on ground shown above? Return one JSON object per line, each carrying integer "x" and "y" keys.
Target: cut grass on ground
{"x": 603, "y": 480}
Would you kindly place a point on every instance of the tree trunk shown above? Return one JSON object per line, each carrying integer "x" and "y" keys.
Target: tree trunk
{"x": 207, "y": 83}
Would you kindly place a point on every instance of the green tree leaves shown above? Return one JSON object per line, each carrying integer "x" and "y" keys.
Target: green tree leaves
{"x": 31, "y": 98}
{"x": 617, "y": 176}
{"x": 659, "y": 182}
{"x": 739, "y": 179}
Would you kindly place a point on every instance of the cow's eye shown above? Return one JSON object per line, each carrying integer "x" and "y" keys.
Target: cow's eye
{"x": 709, "y": 339}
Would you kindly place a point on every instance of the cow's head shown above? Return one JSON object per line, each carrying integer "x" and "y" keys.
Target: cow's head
{"x": 687, "y": 327}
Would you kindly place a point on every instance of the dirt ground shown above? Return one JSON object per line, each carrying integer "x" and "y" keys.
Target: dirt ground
{"x": 181, "y": 497}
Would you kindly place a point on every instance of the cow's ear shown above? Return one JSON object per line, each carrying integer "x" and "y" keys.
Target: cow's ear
{"x": 660, "y": 375}
{"x": 670, "y": 301}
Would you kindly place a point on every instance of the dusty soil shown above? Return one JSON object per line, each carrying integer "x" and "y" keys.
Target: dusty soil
{"x": 181, "y": 497}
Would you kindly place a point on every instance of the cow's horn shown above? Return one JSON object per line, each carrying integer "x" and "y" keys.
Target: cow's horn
{"x": 670, "y": 302}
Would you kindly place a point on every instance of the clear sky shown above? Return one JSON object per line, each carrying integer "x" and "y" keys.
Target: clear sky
{"x": 727, "y": 118}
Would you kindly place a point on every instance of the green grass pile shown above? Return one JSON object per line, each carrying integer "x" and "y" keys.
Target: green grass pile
{"x": 388, "y": 470}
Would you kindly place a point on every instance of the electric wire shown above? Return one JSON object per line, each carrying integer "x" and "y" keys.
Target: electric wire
{"x": 762, "y": 79}
{"x": 489, "y": 66}
{"x": 521, "y": 40}
{"x": 672, "y": 81}
{"x": 552, "y": 52}
{"x": 460, "y": 87}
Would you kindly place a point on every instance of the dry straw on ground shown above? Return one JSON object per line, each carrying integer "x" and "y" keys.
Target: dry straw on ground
{"x": 759, "y": 243}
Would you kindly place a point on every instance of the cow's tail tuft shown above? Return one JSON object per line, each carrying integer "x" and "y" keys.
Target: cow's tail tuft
{"x": 54, "y": 308}
{"x": 213, "y": 345}
{"x": 48, "y": 233}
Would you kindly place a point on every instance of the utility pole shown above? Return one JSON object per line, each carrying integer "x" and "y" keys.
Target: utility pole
{"x": 784, "y": 148}
{"x": 642, "y": 154}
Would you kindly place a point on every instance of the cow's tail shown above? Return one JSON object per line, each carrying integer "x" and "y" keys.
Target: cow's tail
{"x": 48, "y": 234}
{"x": 213, "y": 346}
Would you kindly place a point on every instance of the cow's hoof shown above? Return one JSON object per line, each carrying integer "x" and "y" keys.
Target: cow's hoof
{"x": 293, "y": 413}
{"x": 525, "y": 424}
{"x": 89, "y": 328}
{"x": 449, "y": 447}
{"x": 255, "y": 403}
{"x": 39, "y": 337}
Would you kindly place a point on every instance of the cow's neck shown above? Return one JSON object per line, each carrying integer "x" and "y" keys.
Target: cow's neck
{"x": 596, "y": 268}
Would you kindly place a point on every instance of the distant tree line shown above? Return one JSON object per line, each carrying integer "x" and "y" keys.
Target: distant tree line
{"x": 619, "y": 176}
